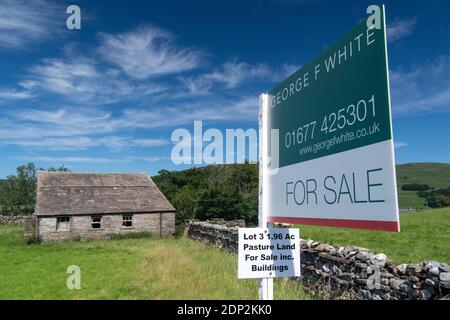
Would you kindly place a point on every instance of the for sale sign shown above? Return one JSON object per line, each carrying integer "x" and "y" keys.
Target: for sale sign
{"x": 335, "y": 163}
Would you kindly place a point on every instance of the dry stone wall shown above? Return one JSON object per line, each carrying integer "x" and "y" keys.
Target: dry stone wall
{"x": 13, "y": 219}
{"x": 353, "y": 272}
{"x": 336, "y": 272}
{"x": 216, "y": 232}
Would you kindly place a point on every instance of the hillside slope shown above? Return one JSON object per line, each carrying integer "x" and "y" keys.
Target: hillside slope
{"x": 435, "y": 175}
{"x": 231, "y": 191}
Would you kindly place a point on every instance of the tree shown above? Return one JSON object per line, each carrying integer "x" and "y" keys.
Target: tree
{"x": 18, "y": 193}
{"x": 415, "y": 187}
{"x": 220, "y": 201}
{"x": 216, "y": 191}
{"x": 185, "y": 201}
{"x": 436, "y": 198}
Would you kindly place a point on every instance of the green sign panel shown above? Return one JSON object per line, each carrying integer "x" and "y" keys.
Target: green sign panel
{"x": 337, "y": 102}
{"x": 335, "y": 164}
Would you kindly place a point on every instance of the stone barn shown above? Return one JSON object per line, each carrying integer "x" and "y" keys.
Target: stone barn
{"x": 97, "y": 206}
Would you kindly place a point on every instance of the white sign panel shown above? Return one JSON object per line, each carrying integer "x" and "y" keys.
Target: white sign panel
{"x": 268, "y": 253}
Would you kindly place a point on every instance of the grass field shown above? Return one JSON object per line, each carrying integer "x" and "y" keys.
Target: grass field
{"x": 424, "y": 235}
{"x": 185, "y": 269}
{"x": 436, "y": 175}
{"x": 125, "y": 269}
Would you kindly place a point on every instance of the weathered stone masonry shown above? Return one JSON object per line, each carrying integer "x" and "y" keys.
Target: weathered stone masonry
{"x": 158, "y": 224}
{"x": 216, "y": 232}
{"x": 347, "y": 272}
{"x": 88, "y": 206}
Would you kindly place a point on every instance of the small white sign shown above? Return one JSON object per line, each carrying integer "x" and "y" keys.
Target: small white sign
{"x": 268, "y": 253}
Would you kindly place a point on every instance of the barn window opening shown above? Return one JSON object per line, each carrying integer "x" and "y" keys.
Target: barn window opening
{"x": 127, "y": 220}
{"x": 62, "y": 223}
{"x": 96, "y": 222}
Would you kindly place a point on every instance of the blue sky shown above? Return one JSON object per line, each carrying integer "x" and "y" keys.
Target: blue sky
{"x": 107, "y": 97}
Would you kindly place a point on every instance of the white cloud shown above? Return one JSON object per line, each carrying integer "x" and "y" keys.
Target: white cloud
{"x": 60, "y": 122}
{"x": 400, "y": 28}
{"x": 142, "y": 54}
{"x": 68, "y": 144}
{"x": 245, "y": 109}
{"x": 149, "y": 142}
{"x": 422, "y": 89}
{"x": 147, "y": 159}
{"x": 63, "y": 77}
{"x": 148, "y": 52}
{"x": 62, "y": 160}
{"x": 234, "y": 73}
{"x": 285, "y": 71}
{"x": 93, "y": 160}
{"x": 59, "y": 129}
{"x": 28, "y": 21}
{"x": 196, "y": 86}
{"x": 70, "y": 129}
{"x": 114, "y": 143}
{"x": 83, "y": 128}
{"x": 13, "y": 94}
{"x": 82, "y": 80}
{"x": 400, "y": 144}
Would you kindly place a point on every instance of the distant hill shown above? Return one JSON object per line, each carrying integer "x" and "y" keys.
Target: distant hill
{"x": 435, "y": 175}
{"x": 231, "y": 190}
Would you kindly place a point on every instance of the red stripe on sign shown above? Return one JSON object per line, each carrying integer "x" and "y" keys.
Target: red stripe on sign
{"x": 391, "y": 226}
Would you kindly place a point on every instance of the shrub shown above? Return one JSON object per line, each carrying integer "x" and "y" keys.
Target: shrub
{"x": 179, "y": 230}
{"x": 32, "y": 240}
{"x": 415, "y": 187}
{"x": 216, "y": 191}
{"x": 437, "y": 198}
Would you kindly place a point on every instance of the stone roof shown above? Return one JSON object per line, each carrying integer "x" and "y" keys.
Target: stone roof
{"x": 69, "y": 193}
